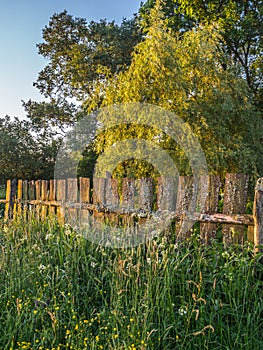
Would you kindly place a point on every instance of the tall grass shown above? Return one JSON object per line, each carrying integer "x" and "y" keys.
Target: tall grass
{"x": 60, "y": 291}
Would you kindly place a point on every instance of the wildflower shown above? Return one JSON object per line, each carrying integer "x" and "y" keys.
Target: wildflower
{"x": 41, "y": 268}
{"x": 67, "y": 232}
{"x": 182, "y": 311}
{"x": 67, "y": 331}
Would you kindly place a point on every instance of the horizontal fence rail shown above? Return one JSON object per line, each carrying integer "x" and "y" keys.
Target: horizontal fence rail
{"x": 135, "y": 200}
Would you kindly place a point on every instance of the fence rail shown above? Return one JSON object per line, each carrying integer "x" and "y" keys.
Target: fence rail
{"x": 136, "y": 200}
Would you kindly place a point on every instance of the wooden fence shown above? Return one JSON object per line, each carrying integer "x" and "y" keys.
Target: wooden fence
{"x": 134, "y": 200}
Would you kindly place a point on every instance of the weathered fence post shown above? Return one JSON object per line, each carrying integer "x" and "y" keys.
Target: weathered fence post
{"x": 128, "y": 199}
{"x": 25, "y": 198}
{"x": 98, "y": 197}
{"x": 112, "y": 199}
{"x": 72, "y": 197}
{"x": 19, "y": 197}
{"x": 52, "y": 195}
{"x": 184, "y": 205}
{"x": 208, "y": 230}
{"x": 145, "y": 193}
{"x": 258, "y": 214}
{"x": 38, "y": 185}
{"x": 235, "y": 197}
{"x": 84, "y": 197}
{"x": 166, "y": 194}
{"x": 31, "y": 197}
{"x": 10, "y": 198}
{"x": 44, "y": 197}
{"x": 61, "y": 197}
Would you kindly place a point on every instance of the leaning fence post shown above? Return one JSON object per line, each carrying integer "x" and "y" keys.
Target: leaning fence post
{"x": 258, "y": 214}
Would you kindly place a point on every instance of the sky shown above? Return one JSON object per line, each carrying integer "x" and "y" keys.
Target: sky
{"x": 21, "y": 24}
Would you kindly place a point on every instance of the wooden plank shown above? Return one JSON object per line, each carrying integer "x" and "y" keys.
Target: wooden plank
{"x": 31, "y": 196}
{"x": 44, "y": 198}
{"x": 128, "y": 192}
{"x": 98, "y": 196}
{"x": 8, "y": 193}
{"x": 19, "y": 197}
{"x": 213, "y": 184}
{"x": 258, "y": 215}
{"x": 84, "y": 189}
{"x": 166, "y": 194}
{"x": 235, "y": 198}
{"x": 25, "y": 190}
{"x": 84, "y": 197}
{"x": 185, "y": 204}
{"x": 61, "y": 197}
{"x": 31, "y": 190}
{"x": 128, "y": 200}
{"x": 38, "y": 185}
{"x": 230, "y": 219}
{"x": 25, "y": 198}
{"x": 72, "y": 197}
{"x": 112, "y": 194}
{"x": 112, "y": 200}
{"x": 11, "y": 199}
{"x": 52, "y": 195}
{"x": 145, "y": 195}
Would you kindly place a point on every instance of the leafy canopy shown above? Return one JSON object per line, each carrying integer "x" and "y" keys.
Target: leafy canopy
{"x": 186, "y": 73}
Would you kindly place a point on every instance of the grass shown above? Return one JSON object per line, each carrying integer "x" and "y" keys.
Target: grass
{"x": 60, "y": 291}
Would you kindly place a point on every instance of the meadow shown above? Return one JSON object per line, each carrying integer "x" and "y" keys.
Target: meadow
{"x": 61, "y": 291}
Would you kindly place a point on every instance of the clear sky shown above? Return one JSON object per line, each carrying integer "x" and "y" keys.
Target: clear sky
{"x": 21, "y": 24}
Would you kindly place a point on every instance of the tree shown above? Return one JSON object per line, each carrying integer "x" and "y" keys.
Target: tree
{"x": 25, "y": 154}
{"x": 242, "y": 29}
{"x": 189, "y": 74}
{"x": 81, "y": 58}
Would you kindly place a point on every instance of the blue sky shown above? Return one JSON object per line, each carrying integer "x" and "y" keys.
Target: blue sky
{"x": 21, "y": 24}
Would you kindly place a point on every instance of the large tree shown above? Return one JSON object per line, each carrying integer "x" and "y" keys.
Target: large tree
{"x": 81, "y": 57}
{"x": 242, "y": 29}
{"x": 191, "y": 75}
{"x": 202, "y": 60}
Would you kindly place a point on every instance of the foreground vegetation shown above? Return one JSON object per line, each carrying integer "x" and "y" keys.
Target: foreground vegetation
{"x": 60, "y": 291}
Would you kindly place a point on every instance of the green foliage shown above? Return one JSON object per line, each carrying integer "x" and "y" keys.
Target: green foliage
{"x": 242, "y": 24}
{"x": 81, "y": 54}
{"x": 60, "y": 291}
{"x": 200, "y": 59}
{"x": 185, "y": 73}
{"x": 25, "y": 154}
{"x": 81, "y": 58}
{"x": 87, "y": 163}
